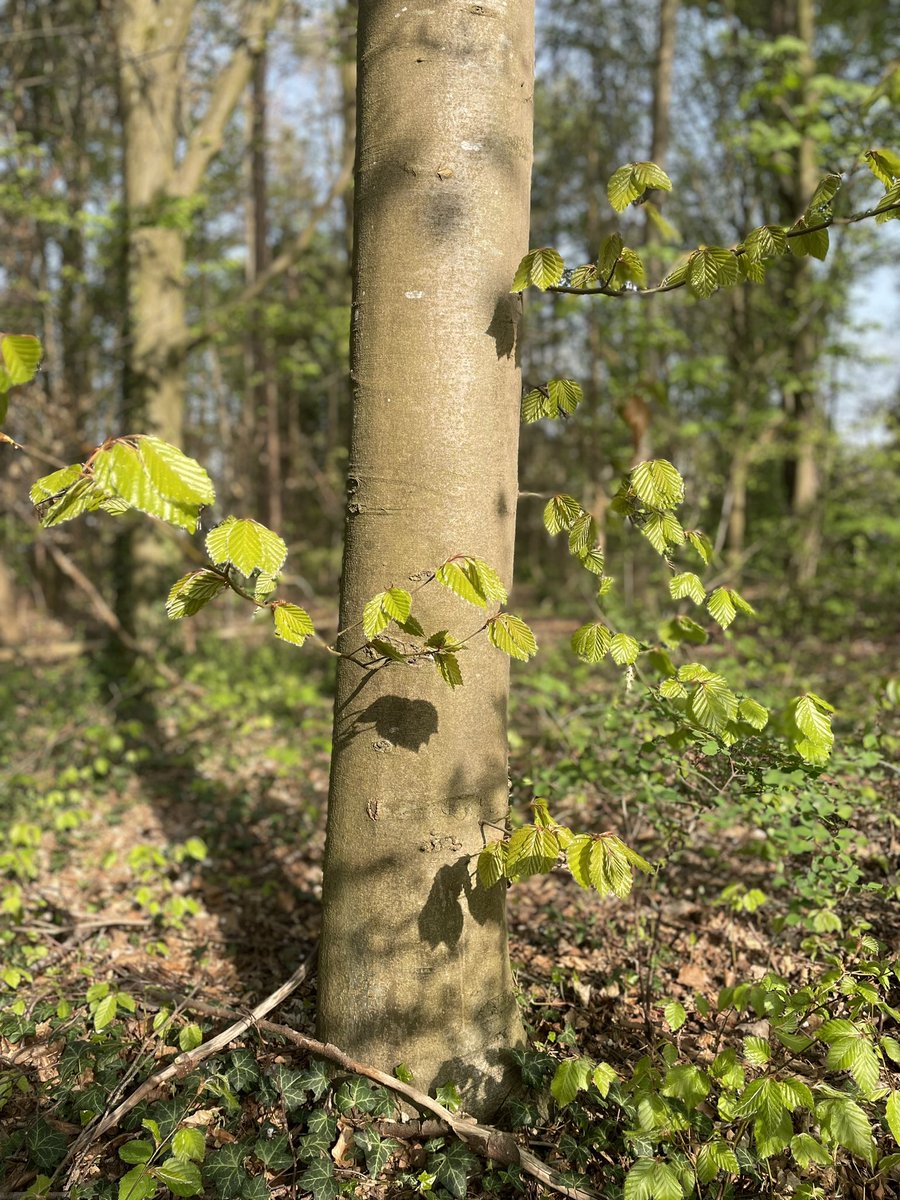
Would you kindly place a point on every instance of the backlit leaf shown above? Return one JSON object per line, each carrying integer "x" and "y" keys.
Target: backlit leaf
{"x": 246, "y": 545}
{"x": 657, "y": 484}
{"x": 510, "y": 634}
{"x": 561, "y": 512}
{"x": 192, "y": 592}
{"x": 624, "y": 649}
{"x": 543, "y": 268}
{"x": 687, "y": 584}
{"x": 571, "y": 1077}
{"x": 173, "y": 474}
{"x": 592, "y": 641}
{"x": 532, "y": 850}
{"x": 492, "y": 863}
{"x": 292, "y": 623}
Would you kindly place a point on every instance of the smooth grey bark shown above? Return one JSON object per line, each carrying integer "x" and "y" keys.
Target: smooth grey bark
{"x": 414, "y": 965}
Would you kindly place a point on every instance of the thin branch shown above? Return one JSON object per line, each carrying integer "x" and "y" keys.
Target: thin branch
{"x": 206, "y": 139}
{"x": 210, "y": 326}
{"x": 738, "y": 251}
{"x": 494, "y": 1144}
{"x": 184, "y": 1063}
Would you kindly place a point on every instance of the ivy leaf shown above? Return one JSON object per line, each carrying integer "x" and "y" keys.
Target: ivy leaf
{"x": 246, "y": 545}
{"x": 242, "y": 1070}
{"x": 571, "y": 1077}
{"x": 319, "y": 1179}
{"x": 225, "y": 1170}
{"x": 376, "y": 1150}
{"x": 591, "y": 642}
{"x": 543, "y": 268}
{"x": 192, "y": 592}
{"x": 449, "y": 1096}
{"x": 510, "y": 634}
{"x": 292, "y": 623}
{"x": 531, "y": 850}
{"x": 453, "y": 1167}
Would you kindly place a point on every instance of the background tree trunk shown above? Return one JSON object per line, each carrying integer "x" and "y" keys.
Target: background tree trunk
{"x": 414, "y": 964}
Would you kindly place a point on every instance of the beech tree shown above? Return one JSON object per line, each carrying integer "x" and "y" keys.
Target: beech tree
{"x": 414, "y": 972}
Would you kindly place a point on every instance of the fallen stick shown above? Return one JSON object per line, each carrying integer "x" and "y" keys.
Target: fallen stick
{"x": 486, "y": 1141}
{"x": 184, "y": 1063}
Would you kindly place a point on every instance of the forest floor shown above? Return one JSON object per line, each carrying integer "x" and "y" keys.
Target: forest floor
{"x": 157, "y": 856}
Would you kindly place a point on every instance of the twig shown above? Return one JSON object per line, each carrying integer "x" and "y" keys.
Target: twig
{"x": 494, "y": 1144}
{"x": 187, "y": 1061}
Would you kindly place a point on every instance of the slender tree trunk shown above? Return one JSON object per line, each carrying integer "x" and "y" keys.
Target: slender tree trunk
{"x": 414, "y": 964}
{"x": 801, "y": 400}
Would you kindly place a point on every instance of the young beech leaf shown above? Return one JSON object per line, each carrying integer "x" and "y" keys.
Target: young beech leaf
{"x": 173, "y": 474}
{"x": 701, "y": 544}
{"x": 192, "y": 592}
{"x": 768, "y": 241}
{"x": 629, "y": 183}
{"x": 20, "y": 357}
{"x": 812, "y": 737}
{"x": 510, "y": 634}
{"x": 55, "y": 483}
{"x": 624, "y": 649}
{"x": 246, "y": 545}
{"x": 565, "y": 395}
{"x": 543, "y": 268}
{"x": 531, "y": 850}
{"x": 629, "y": 269}
{"x": 292, "y": 623}
{"x": 448, "y": 665}
{"x": 609, "y": 255}
{"x": 492, "y": 863}
{"x": 472, "y": 579}
{"x": 583, "y": 534}
{"x": 753, "y": 713}
{"x": 884, "y": 165}
{"x": 712, "y": 267}
{"x": 657, "y": 484}
{"x": 120, "y": 472}
{"x": 180, "y": 1176}
{"x": 721, "y": 607}
{"x": 814, "y": 244}
{"x": 687, "y": 585}
{"x": 535, "y": 406}
{"x": 571, "y": 1077}
{"x": 592, "y": 641}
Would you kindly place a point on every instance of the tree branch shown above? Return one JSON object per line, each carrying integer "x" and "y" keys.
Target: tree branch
{"x": 206, "y": 139}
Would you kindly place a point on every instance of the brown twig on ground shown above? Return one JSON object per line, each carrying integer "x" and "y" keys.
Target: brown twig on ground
{"x": 486, "y": 1141}
{"x": 187, "y": 1061}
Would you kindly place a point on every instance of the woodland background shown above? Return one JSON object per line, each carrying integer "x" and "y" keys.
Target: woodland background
{"x": 193, "y": 810}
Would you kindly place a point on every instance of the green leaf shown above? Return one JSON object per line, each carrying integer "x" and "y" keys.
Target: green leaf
{"x": 772, "y": 1135}
{"x": 510, "y": 634}
{"x": 741, "y": 604}
{"x": 768, "y": 241}
{"x": 571, "y": 1077}
{"x": 375, "y": 618}
{"x": 629, "y": 269}
{"x": 292, "y": 623}
{"x": 757, "y": 1051}
{"x": 173, "y": 474}
{"x": 674, "y": 1014}
{"x": 192, "y": 592}
{"x": 701, "y": 544}
{"x": 624, "y": 649}
{"x": 578, "y": 857}
{"x": 449, "y": 1096}
{"x": 806, "y": 1150}
{"x": 603, "y": 1077}
{"x": 83, "y": 496}
{"x": 397, "y": 603}
{"x": 583, "y": 534}
{"x": 814, "y": 244}
{"x": 662, "y": 528}
{"x": 753, "y": 713}
{"x": 712, "y": 267}
{"x": 714, "y": 1157}
{"x": 592, "y": 641}
{"x": 531, "y": 850}
{"x": 813, "y": 738}
{"x": 319, "y": 1180}
{"x": 492, "y": 864}
{"x": 629, "y": 183}
{"x": 687, "y": 1083}
{"x": 190, "y": 1036}
{"x": 884, "y": 165}
{"x": 119, "y": 472}
{"x": 453, "y": 1167}
{"x": 225, "y": 1170}
{"x": 888, "y": 201}
{"x": 543, "y": 268}
{"x": 247, "y": 546}
{"x": 51, "y": 485}
{"x": 448, "y": 665}
{"x": 377, "y": 1150}
{"x": 892, "y": 1112}
{"x": 242, "y": 1070}
{"x": 21, "y": 356}
{"x": 657, "y": 484}
{"x": 136, "y": 1152}
{"x": 825, "y": 192}
{"x": 105, "y": 1012}
{"x": 610, "y": 870}
{"x": 795, "y": 1094}
{"x": 180, "y": 1176}
{"x": 592, "y": 560}
{"x": 652, "y": 1180}
{"x": 472, "y": 579}
{"x": 678, "y": 275}
{"x": 844, "y": 1123}
{"x": 688, "y": 585}
{"x": 565, "y": 396}
{"x": 721, "y": 606}
{"x": 682, "y": 629}
{"x": 189, "y": 1143}
{"x": 671, "y": 689}
{"x": 561, "y": 512}
{"x": 713, "y": 703}
{"x": 138, "y": 1184}
{"x": 610, "y": 250}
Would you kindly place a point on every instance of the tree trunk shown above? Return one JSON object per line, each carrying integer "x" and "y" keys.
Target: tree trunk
{"x": 807, "y": 429}
{"x": 414, "y": 964}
